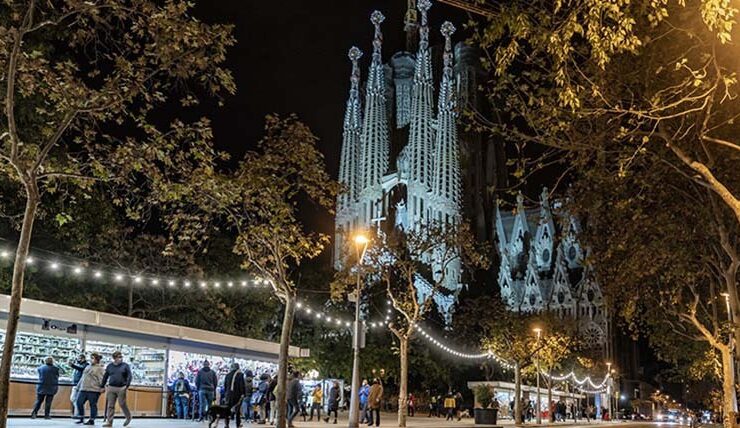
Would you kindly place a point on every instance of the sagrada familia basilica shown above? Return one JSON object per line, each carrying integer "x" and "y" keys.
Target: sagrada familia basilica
{"x": 406, "y": 163}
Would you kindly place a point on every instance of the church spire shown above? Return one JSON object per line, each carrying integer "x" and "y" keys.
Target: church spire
{"x": 373, "y": 163}
{"x": 421, "y": 132}
{"x": 350, "y": 137}
{"x": 446, "y": 178}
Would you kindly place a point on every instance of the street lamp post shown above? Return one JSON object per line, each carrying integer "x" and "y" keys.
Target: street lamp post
{"x": 539, "y": 404}
{"x": 361, "y": 241}
{"x": 609, "y": 389}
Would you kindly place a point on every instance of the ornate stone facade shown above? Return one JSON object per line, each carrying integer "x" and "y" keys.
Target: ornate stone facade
{"x": 542, "y": 270}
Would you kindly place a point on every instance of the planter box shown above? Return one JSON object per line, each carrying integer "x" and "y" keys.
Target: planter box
{"x": 486, "y": 416}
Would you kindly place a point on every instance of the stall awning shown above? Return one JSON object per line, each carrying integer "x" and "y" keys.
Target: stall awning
{"x": 70, "y": 314}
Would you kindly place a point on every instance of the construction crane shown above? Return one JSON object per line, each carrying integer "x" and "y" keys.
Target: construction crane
{"x": 470, "y": 6}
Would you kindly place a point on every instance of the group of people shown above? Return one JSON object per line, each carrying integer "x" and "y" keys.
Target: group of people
{"x": 249, "y": 400}
{"x": 90, "y": 380}
{"x": 559, "y": 411}
{"x": 449, "y": 406}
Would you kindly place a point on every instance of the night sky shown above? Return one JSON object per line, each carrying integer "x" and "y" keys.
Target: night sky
{"x": 291, "y": 57}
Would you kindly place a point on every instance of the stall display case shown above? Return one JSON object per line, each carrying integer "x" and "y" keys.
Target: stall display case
{"x": 189, "y": 363}
{"x": 147, "y": 364}
{"x": 30, "y": 352}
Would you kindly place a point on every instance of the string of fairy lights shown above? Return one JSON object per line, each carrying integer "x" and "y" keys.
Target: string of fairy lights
{"x": 97, "y": 272}
{"x": 84, "y": 270}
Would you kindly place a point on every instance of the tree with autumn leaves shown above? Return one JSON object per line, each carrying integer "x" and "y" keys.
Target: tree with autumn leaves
{"x": 81, "y": 82}
{"x": 411, "y": 268}
{"x": 260, "y": 203}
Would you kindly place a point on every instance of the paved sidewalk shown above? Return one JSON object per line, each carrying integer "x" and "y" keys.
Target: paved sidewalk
{"x": 388, "y": 421}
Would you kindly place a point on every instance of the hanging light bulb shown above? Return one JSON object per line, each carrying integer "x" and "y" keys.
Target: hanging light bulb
{"x": 77, "y": 270}
{"x": 98, "y": 274}
{"x": 54, "y": 266}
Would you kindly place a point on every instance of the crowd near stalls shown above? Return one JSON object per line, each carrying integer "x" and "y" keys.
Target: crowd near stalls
{"x": 155, "y": 354}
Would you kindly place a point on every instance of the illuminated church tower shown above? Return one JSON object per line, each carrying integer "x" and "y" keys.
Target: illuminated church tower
{"x": 423, "y": 185}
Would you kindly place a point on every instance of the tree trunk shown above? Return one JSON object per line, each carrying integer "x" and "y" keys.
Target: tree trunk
{"x": 282, "y": 407}
{"x": 403, "y": 389}
{"x": 14, "y": 310}
{"x": 729, "y": 398}
{"x": 518, "y": 420}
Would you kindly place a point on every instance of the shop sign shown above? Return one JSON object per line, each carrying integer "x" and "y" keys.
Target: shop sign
{"x": 57, "y": 327}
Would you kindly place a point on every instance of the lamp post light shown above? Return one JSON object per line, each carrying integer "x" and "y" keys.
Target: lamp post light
{"x": 539, "y": 404}
{"x": 361, "y": 242}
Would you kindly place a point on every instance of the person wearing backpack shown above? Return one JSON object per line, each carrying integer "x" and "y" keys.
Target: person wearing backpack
{"x": 181, "y": 395}
{"x": 259, "y": 399}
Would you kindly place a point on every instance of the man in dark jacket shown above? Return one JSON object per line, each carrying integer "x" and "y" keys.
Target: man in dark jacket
{"x": 79, "y": 367}
{"x": 294, "y": 392}
{"x": 118, "y": 377}
{"x": 272, "y": 399}
{"x": 333, "y": 402}
{"x": 206, "y": 382}
{"x": 248, "y": 391}
{"x": 234, "y": 388}
{"x": 46, "y": 388}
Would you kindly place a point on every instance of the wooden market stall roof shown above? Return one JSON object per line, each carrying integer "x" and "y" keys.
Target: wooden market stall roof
{"x": 40, "y": 309}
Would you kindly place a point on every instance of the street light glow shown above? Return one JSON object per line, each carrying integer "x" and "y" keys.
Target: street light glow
{"x": 361, "y": 239}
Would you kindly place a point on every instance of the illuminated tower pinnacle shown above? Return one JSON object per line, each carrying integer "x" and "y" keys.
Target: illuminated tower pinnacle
{"x": 421, "y": 132}
{"x": 350, "y": 139}
{"x": 373, "y": 162}
{"x": 446, "y": 177}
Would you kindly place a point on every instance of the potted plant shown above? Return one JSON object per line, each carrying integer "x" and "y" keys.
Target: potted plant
{"x": 485, "y": 413}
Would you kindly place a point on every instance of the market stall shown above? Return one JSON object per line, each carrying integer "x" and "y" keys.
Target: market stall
{"x": 155, "y": 351}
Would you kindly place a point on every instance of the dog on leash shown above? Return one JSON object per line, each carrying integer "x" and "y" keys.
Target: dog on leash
{"x": 216, "y": 413}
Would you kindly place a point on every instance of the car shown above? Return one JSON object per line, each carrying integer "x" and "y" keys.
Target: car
{"x": 672, "y": 415}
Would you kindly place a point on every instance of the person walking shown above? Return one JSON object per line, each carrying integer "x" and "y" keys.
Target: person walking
{"x": 494, "y": 409}
{"x": 411, "y": 405}
{"x": 259, "y": 399}
{"x": 363, "y": 394}
{"x": 458, "y": 405}
{"x": 449, "y": 406}
{"x": 317, "y": 396}
{"x": 181, "y": 395}
{"x": 118, "y": 376}
{"x": 432, "y": 405}
{"x": 46, "y": 388}
{"x": 79, "y": 367}
{"x": 247, "y": 406}
{"x": 205, "y": 382}
{"x": 234, "y": 388}
{"x": 294, "y": 394}
{"x": 88, "y": 389}
{"x": 333, "y": 402}
{"x": 374, "y": 401}
{"x": 272, "y": 393}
